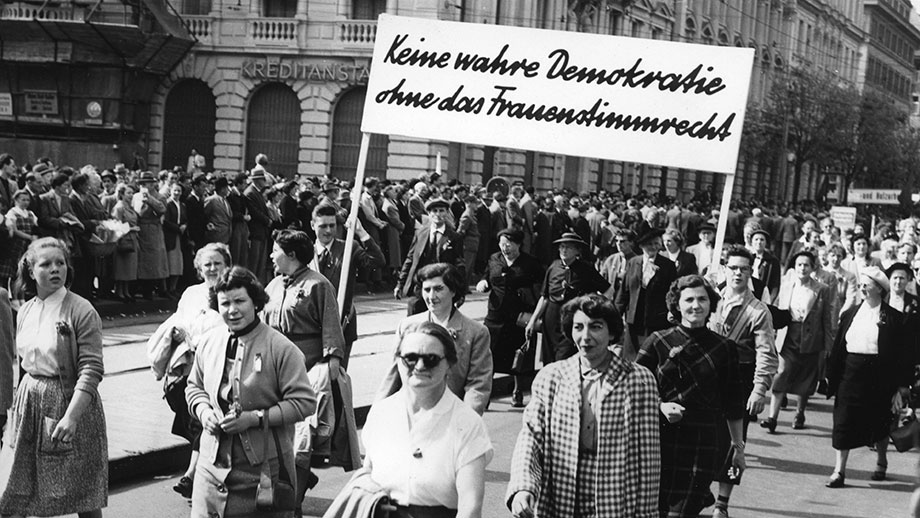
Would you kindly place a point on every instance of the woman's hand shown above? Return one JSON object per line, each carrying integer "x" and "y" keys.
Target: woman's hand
{"x": 234, "y": 424}
{"x": 65, "y": 429}
{"x": 673, "y": 412}
{"x": 209, "y": 421}
{"x": 522, "y": 504}
{"x": 738, "y": 463}
{"x": 899, "y": 400}
{"x": 482, "y": 286}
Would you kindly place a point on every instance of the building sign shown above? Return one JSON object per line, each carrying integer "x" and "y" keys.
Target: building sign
{"x": 315, "y": 71}
{"x": 41, "y": 102}
{"x": 843, "y": 217}
{"x": 875, "y": 196}
{"x": 578, "y": 94}
{"x": 6, "y": 105}
{"x": 93, "y": 112}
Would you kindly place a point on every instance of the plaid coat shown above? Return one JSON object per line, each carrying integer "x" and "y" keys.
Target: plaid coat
{"x": 628, "y": 461}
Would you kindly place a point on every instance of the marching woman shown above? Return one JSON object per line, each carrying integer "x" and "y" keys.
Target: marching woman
{"x": 569, "y": 276}
{"x": 700, "y": 386}
{"x": 510, "y": 278}
{"x": 248, "y": 387}
{"x": 869, "y": 372}
{"x": 56, "y": 438}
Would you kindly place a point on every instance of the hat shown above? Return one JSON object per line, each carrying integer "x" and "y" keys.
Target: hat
{"x": 41, "y": 168}
{"x": 257, "y": 173}
{"x": 707, "y": 227}
{"x": 899, "y": 266}
{"x": 570, "y": 237}
{"x": 876, "y": 275}
{"x": 107, "y": 174}
{"x": 435, "y": 203}
{"x": 146, "y": 177}
{"x": 648, "y": 236}
{"x": 330, "y": 186}
{"x": 756, "y": 231}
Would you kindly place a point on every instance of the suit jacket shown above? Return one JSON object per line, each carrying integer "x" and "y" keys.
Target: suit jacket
{"x": 49, "y": 218}
{"x": 449, "y": 249}
{"x": 7, "y": 189}
{"x": 817, "y": 330}
{"x": 89, "y": 211}
{"x": 897, "y": 362}
{"x": 702, "y": 254}
{"x": 628, "y": 460}
{"x": 770, "y": 272}
{"x": 471, "y": 377}
{"x": 218, "y": 213}
{"x": 685, "y": 264}
{"x": 7, "y": 352}
{"x": 172, "y": 220}
{"x": 655, "y": 310}
{"x": 260, "y": 224}
{"x": 364, "y": 255}
{"x": 196, "y": 219}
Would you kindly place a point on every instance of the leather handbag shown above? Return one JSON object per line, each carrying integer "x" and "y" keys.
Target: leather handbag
{"x": 519, "y": 363}
{"x": 275, "y": 494}
{"x": 904, "y": 437}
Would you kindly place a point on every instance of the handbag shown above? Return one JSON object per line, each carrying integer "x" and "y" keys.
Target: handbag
{"x": 519, "y": 363}
{"x": 125, "y": 245}
{"x": 275, "y": 494}
{"x": 904, "y": 437}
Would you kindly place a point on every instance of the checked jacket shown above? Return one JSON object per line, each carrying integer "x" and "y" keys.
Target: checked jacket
{"x": 545, "y": 460}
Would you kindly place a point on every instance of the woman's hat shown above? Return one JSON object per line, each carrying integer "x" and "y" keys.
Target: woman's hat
{"x": 707, "y": 227}
{"x": 876, "y": 275}
{"x": 648, "y": 236}
{"x": 570, "y": 237}
{"x": 763, "y": 232}
{"x": 899, "y": 266}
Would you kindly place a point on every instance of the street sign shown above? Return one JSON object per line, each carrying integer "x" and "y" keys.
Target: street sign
{"x": 637, "y": 100}
{"x": 874, "y": 196}
{"x": 844, "y": 217}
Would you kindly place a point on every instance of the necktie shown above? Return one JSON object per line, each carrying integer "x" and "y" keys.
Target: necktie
{"x": 325, "y": 259}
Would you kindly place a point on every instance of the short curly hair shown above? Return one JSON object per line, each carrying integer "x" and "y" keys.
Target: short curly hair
{"x": 689, "y": 282}
{"x": 239, "y": 277}
{"x": 451, "y": 275}
{"x": 296, "y": 242}
{"x": 595, "y": 306}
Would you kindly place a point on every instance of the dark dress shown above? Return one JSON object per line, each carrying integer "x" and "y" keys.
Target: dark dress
{"x": 698, "y": 369}
{"x": 560, "y": 285}
{"x": 865, "y": 383}
{"x": 512, "y": 292}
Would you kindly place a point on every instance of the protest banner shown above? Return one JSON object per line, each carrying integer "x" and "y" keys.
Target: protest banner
{"x": 573, "y": 93}
{"x": 616, "y": 98}
{"x": 843, "y": 217}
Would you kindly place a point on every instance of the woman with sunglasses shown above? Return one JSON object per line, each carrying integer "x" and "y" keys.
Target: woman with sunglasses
{"x": 423, "y": 445}
{"x": 442, "y": 286}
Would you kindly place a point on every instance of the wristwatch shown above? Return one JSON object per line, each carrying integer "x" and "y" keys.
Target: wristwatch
{"x": 261, "y": 415}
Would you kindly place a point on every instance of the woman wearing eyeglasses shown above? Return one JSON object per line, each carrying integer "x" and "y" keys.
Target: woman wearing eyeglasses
{"x": 470, "y": 378}
{"x": 423, "y": 445}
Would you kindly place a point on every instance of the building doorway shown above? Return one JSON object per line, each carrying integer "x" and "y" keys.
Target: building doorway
{"x": 346, "y": 139}
{"x": 273, "y": 128}
{"x": 188, "y": 123}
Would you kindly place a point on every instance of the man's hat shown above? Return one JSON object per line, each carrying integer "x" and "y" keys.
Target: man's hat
{"x": 43, "y": 169}
{"x": 257, "y": 173}
{"x": 648, "y": 236}
{"x": 570, "y": 237}
{"x": 330, "y": 186}
{"x": 707, "y": 227}
{"x": 766, "y": 234}
{"x": 434, "y": 203}
{"x": 146, "y": 177}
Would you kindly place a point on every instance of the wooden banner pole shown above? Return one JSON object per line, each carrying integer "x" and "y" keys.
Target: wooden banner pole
{"x": 723, "y": 223}
{"x": 356, "y": 193}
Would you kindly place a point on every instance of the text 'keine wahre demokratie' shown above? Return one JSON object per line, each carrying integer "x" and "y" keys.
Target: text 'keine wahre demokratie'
{"x": 502, "y": 103}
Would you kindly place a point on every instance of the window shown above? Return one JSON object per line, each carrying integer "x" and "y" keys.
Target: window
{"x": 196, "y": 7}
{"x": 368, "y": 9}
{"x": 279, "y": 8}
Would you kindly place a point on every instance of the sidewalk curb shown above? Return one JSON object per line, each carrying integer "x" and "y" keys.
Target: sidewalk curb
{"x": 175, "y": 459}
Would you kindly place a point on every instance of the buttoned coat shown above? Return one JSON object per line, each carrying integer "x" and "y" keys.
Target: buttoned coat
{"x": 545, "y": 456}
{"x": 656, "y": 309}
{"x": 817, "y": 330}
{"x": 770, "y": 272}
{"x": 260, "y": 222}
{"x": 218, "y": 214}
{"x": 449, "y": 250}
{"x": 471, "y": 377}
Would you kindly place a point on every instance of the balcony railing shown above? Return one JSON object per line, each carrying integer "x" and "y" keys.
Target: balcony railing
{"x": 283, "y": 33}
{"x": 69, "y": 13}
{"x": 278, "y": 32}
{"x": 357, "y": 32}
{"x": 200, "y": 26}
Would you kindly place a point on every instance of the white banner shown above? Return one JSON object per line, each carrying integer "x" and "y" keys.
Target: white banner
{"x": 844, "y": 217}
{"x": 875, "y": 196}
{"x": 591, "y": 95}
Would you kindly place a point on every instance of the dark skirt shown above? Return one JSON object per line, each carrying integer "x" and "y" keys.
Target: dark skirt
{"x": 556, "y": 346}
{"x": 690, "y": 457}
{"x": 504, "y": 340}
{"x": 725, "y": 438}
{"x": 798, "y": 372}
{"x": 862, "y": 409}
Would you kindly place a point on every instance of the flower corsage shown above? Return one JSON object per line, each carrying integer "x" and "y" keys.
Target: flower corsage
{"x": 63, "y": 328}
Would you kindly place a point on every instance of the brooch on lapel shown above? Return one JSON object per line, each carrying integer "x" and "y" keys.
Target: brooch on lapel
{"x": 63, "y": 328}
{"x": 301, "y": 295}
{"x": 882, "y": 320}
{"x": 675, "y": 351}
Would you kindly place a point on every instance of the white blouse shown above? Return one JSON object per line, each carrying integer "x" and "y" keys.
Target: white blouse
{"x": 862, "y": 337}
{"x": 418, "y": 463}
{"x": 37, "y": 338}
{"x": 196, "y": 316}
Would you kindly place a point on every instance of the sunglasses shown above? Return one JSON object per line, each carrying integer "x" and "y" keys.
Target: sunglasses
{"x": 430, "y": 361}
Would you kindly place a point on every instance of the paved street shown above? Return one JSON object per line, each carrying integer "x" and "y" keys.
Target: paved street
{"x": 785, "y": 478}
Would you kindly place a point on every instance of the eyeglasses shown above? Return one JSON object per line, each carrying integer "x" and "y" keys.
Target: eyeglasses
{"x": 430, "y": 361}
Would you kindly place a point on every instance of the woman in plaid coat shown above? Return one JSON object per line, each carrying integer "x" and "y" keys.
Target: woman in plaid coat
{"x": 700, "y": 387}
{"x": 589, "y": 443}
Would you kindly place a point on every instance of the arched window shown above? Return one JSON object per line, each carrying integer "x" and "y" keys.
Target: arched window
{"x": 188, "y": 123}
{"x": 346, "y": 139}
{"x": 690, "y": 30}
{"x": 273, "y": 128}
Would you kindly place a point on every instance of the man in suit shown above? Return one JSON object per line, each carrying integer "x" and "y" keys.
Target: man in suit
{"x": 641, "y": 298}
{"x": 435, "y": 243}
{"x": 175, "y": 226}
{"x": 239, "y": 220}
{"x": 259, "y": 227}
{"x": 35, "y": 189}
{"x": 197, "y": 221}
{"x": 88, "y": 209}
{"x": 329, "y": 260}
{"x": 217, "y": 214}
{"x": 766, "y": 266}
{"x": 55, "y": 214}
{"x": 549, "y": 225}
